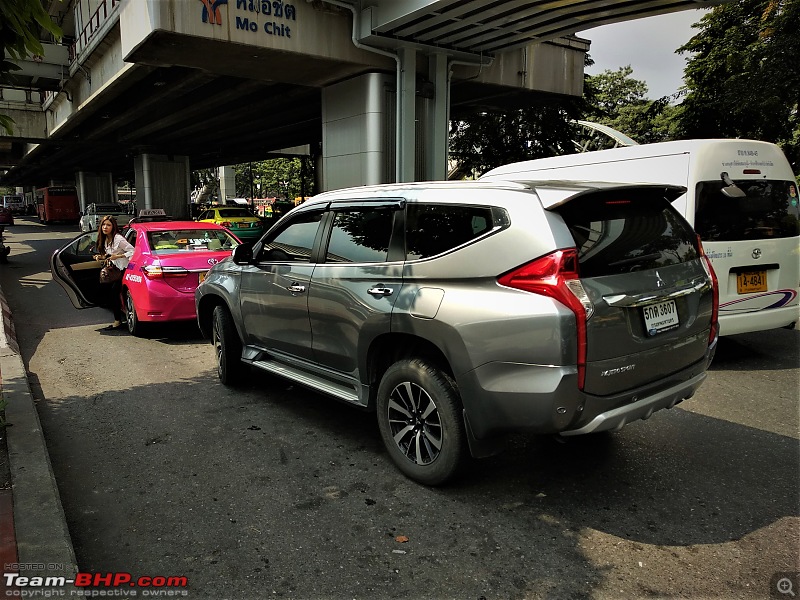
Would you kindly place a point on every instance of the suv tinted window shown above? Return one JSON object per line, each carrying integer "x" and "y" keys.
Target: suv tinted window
{"x": 294, "y": 241}
{"x": 617, "y": 233}
{"x": 769, "y": 210}
{"x": 360, "y": 235}
{"x": 434, "y": 229}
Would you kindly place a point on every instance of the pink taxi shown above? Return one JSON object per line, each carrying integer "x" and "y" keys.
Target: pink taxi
{"x": 169, "y": 261}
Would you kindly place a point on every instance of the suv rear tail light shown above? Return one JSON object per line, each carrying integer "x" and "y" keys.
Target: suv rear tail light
{"x": 556, "y": 276}
{"x": 159, "y": 272}
{"x": 712, "y": 275}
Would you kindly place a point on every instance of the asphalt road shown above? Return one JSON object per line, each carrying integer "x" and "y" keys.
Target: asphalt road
{"x": 270, "y": 490}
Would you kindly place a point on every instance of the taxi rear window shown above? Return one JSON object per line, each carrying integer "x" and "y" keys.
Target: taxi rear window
{"x": 190, "y": 240}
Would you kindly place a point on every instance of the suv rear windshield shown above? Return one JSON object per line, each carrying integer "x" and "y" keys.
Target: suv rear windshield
{"x": 770, "y": 210}
{"x": 618, "y": 232}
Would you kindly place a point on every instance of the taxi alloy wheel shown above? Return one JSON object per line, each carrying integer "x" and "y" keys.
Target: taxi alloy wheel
{"x": 135, "y": 326}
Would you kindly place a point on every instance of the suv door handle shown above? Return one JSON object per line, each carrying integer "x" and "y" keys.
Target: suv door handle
{"x": 379, "y": 290}
{"x": 296, "y": 288}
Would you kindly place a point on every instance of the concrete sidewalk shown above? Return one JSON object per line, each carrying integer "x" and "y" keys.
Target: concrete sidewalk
{"x": 33, "y": 527}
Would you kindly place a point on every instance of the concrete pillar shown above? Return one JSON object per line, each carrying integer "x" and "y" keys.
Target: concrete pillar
{"x": 95, "y": 188}
{"x": 438, "y": 122}
{"x": 227, "y": 182}
{"x": 163, "y": 182}
{"x": 358, "y": 132}
{"x": 406, "y": 145}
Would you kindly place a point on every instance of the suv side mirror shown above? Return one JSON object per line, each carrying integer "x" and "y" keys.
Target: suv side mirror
{"x": 242, "y": 254}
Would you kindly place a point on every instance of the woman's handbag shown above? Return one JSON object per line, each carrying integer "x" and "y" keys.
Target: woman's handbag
{"x": 110, "y": 273}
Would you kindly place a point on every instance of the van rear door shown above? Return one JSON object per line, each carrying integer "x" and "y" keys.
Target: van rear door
{"x": 640, "y": 264}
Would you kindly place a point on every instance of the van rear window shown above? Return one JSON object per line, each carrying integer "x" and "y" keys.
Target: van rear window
{"x": 769, "y": 210}
{"x": 622, "y": 233}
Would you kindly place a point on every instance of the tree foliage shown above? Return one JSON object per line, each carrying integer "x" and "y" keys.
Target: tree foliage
{"x": 617, "y": 99}
{"x": 277, "y": 177}
{"x": 19, "y": 27}
{"x": 743, "y": 78}
{"x": 489, "y": 139}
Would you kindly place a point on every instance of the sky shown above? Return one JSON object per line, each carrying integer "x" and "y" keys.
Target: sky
{"x": 648, "y": 46}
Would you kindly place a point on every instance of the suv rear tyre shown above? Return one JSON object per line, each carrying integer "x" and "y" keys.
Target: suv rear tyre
{"x": 419, "y": 416}
{"x": 227, "y": 347}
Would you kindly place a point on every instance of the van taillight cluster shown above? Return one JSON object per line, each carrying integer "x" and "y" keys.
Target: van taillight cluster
{"x": 713, "y": 276}
{"x": 556, "y": 276}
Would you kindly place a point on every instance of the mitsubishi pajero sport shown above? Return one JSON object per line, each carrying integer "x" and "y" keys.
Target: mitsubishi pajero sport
{"x": 461, "y": 311}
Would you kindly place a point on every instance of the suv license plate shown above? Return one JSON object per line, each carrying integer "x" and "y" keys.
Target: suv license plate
{"x": 660, "y": 317}
{"x": 751, "y": 281}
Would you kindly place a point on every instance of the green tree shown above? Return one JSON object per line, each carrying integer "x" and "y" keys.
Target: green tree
{"x": 486, "y": 140}
{"x": 616, "y": 99}
{"x": 743, "y": 77}
{"x": 277, "y": 177}
{"x": 19, "y": 27}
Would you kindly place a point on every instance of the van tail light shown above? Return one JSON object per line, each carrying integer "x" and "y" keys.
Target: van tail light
{"x": 715, "y": 284}
{"x": 159, "y": 272}
{"x": 556, "y": 276}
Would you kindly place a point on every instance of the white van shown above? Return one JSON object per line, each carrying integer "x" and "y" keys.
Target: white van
{"x": 742, "y": 200}
{"x": 15, "y": 203}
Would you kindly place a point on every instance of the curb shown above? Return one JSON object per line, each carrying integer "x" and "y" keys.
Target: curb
{"x": 42, "y": 537}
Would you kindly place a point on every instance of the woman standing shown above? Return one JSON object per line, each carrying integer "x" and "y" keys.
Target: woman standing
{"x": 118, "y": 251}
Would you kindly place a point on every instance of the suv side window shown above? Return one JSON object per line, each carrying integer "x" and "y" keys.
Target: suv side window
{"x": 293, "y": 242}
{"x": 360, "y": 235}
{"x": 434, "y": 229}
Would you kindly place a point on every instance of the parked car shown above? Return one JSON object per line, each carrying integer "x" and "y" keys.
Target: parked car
{"x": 6, "y": 216}
{"x": 462, "y": 311}
{"x": 90, "y": 219}
{"x": 238, "y": 219}
{"x": 15, "y": 203}
{"x": 169, "y": 259}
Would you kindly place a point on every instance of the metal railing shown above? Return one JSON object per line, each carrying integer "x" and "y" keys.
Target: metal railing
{"x": 93, "y": 25}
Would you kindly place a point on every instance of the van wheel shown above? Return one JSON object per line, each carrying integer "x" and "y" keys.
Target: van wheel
{"x": 135, "y": 326}
{"x": 419, "y": 416}
{"x": 227, "y": 347}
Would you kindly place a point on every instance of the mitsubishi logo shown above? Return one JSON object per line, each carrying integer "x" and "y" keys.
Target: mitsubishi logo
{"x": 756, "y": 253}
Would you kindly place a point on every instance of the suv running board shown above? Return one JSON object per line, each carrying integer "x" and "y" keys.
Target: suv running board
{"x": 316, "y": 382}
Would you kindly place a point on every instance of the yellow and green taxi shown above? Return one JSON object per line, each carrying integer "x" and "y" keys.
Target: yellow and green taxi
{"x": 237, "y": 219}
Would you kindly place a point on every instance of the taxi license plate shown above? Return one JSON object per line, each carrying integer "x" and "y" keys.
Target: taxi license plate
{"x": 751, "y": 281}
{"x": 660, "y": 317}
{"x": 202, "y": 277}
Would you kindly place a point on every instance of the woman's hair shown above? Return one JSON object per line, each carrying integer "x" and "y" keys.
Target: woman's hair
{"x": 102, "y": 239}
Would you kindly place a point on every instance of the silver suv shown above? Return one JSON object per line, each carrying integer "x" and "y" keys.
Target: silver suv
{"x": 461, "y": 311}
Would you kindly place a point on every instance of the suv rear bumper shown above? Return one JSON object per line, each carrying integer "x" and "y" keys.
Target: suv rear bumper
{"x": 504, "y": 397}
{"x": 616, "y": 418}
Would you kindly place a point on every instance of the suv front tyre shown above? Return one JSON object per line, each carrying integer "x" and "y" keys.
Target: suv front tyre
{"x": 419, "y": 416}
{"x": 227, "y": 347}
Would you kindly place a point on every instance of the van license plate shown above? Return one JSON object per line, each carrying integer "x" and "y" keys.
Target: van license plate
{"x": 751, "y": 281}
{"x": 660, "y": 317}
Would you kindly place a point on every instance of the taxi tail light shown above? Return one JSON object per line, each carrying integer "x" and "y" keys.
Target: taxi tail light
{"x": 712, "y": 275}
{"x": 159, "y": 272}
{"x": 226, "y": 224}
{"x": 556, "y": 276}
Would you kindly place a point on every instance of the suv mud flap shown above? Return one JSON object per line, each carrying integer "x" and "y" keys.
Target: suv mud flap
{"x": 483, "y": 448}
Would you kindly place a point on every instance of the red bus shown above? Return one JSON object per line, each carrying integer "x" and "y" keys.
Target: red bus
{"x": 57, "y": 203}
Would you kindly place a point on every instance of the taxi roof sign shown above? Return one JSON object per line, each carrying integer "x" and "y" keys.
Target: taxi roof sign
{"x": 152, "y": 212}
